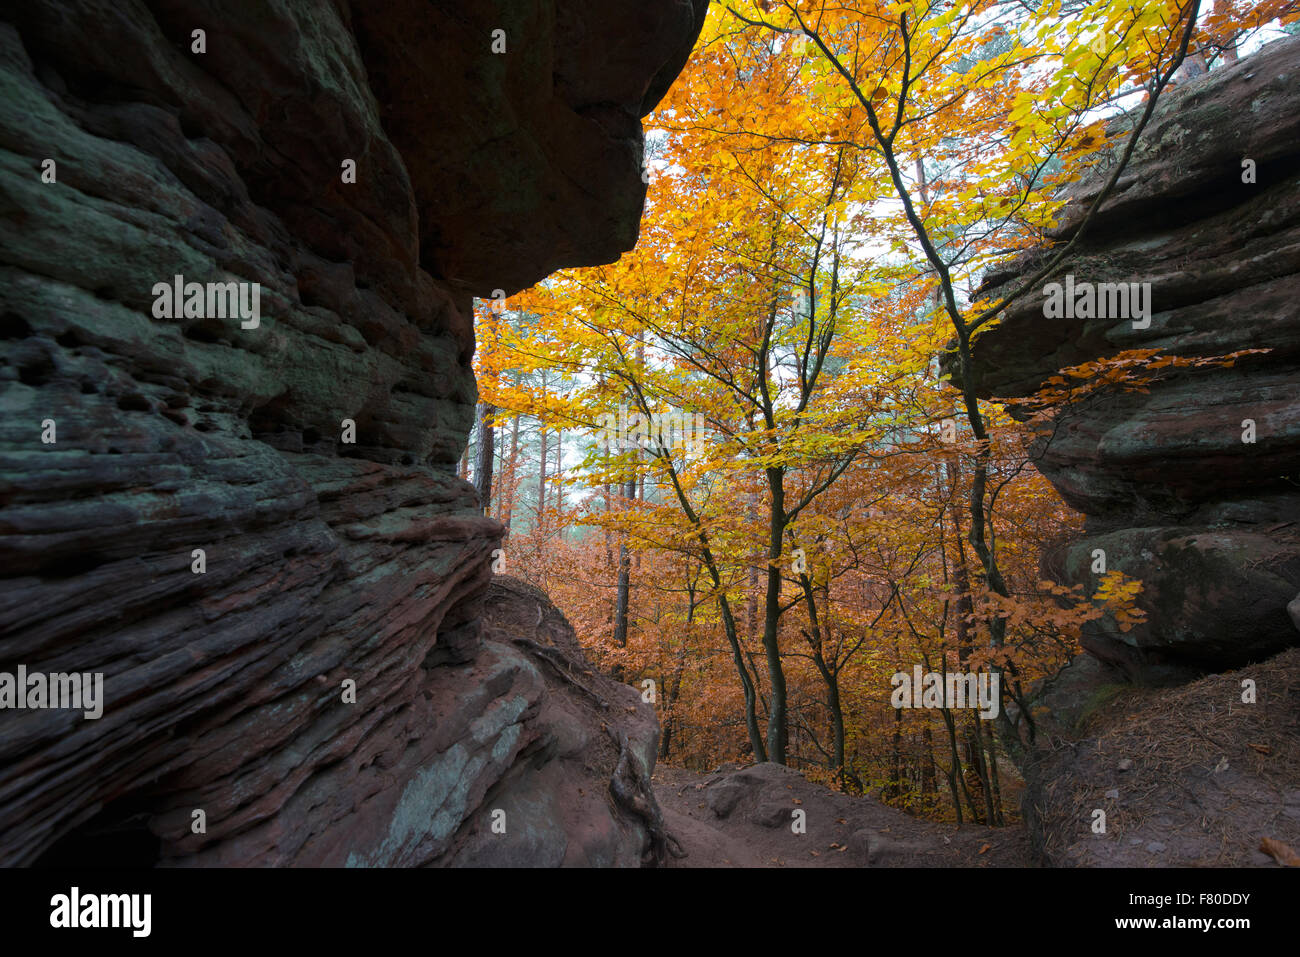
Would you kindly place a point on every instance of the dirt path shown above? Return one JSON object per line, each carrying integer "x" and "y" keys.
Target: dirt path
{"x": 745, "y": 818}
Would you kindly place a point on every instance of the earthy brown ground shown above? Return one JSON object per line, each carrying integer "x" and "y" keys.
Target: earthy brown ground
{"x": 1187, "y": 777}
{"x": 743, "y": 818}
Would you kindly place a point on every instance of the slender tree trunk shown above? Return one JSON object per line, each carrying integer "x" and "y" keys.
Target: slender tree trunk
{"x": 993, "y": 778}
{"x": 620, "y": 604}
{"x": 837, "y": 724}
{"x": 541, "y": 479}
{"x": 929, "y": 782}
{"x": 977, "y": 776}
{"x": 609, "y": 507}
{"x": 979, "y": 790}
{"x": 623, "y": 587}
{"x": 541, "y": 464}
{"x": 499, "y": 474}
{"x": 895, "y": 788}
{"x": 486, "y": 452}
{"x": 621, "y": 599}
{"x": 513, "y": 484}
{"x": 675, "y": 685}
{"x": 638, "y": 492}
{"x": 559, "y": 470}
{"x": 777, "y": 719}
{"x": 747, "y": 684}
{"x": 954, "y": 764}
{"x": 829, "y": 676}
{"x": 755, "y": 558}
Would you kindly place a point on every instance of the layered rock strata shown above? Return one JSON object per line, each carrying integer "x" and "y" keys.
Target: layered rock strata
{"x": 1192, "y": 486}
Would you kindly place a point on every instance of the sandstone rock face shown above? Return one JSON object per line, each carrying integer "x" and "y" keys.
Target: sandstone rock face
{"x": 1173, "y": 493}
{"x": 134, "y": 150}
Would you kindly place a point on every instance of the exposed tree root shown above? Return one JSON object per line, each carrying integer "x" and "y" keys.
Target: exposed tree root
{"x": 632, "y": 792}
{"x": 562, "y": 665}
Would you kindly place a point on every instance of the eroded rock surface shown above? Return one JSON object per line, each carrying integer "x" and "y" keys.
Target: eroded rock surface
{"x": 325, "y": 561}
{"x": 1173, "y": 494}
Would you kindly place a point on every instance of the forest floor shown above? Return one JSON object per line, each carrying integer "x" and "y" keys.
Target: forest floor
{"x": 744, "y": 817}
{"x": 1190, "y": 776}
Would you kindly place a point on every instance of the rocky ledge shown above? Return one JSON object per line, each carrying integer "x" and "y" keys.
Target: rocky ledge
{"x": 1192, "y": 486}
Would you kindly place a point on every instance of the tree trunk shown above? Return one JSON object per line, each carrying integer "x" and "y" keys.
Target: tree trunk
{"x": 499, "y": 472}
{"x": 777, "y": 721}
{"x": 559, "y": 470}
{"x": 513, "y": 484}
{"x": 624, "y": 578}
{"x": 486, "y": 453}
{"x": 674, "y": 689}
{"x": 829, "y": 676}
{"x": 929, "y": 780}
